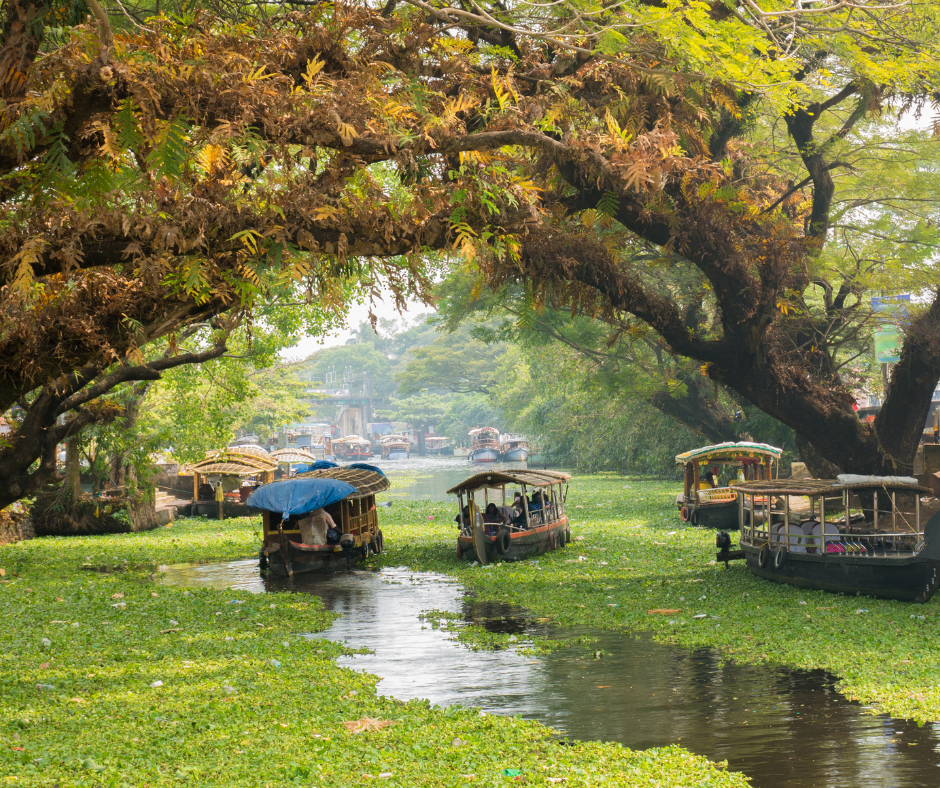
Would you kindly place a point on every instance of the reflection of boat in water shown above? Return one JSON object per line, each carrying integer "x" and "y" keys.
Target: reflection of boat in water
{"x": 703, "y": 502}
{"x": 854, "y": 535}
{"x": 513, "y": 448}
{"x": 438, "y": 446}
{"x": 346, "y": 494}
{"x": 352, "y": 447}
{"x": 484, "y": 445}
{"x": 506, "y": 530}
{"x": 395, "y": 447}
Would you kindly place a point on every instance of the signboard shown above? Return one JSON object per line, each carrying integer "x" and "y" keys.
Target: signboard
{"x": 888, "y": 345}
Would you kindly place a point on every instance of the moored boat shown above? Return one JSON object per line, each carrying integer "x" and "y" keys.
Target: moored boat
{"x": 704, "y": 499}
{"x": 438, "y": 446}
{"x": 484, "y": 445}
{"x": 513, "y": 448}
{"x": 395, "y": 447}
{"x": 352, "y": 447}
{"x": 851, "y": 535}
{"x": 347, "y": 495}
{"x": 510, "y": 529}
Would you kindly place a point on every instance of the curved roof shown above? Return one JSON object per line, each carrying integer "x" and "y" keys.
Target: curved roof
{"x": 233, "y": 463}
{"x": 292, "y": 455}
{"x": 351, "y": 439}
{"x": 498, "y": 478}
{"x": 299, "y": 496}
{"x": 478, "y": 430}
{"x": 730, "y": 451}
{"x": 365, "y": 482}
{"x": 822, "y": 486}
{"x": 249, "y": 448}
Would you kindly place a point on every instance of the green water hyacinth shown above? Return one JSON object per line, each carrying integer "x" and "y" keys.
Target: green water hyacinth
{"x": 148, "y": 685}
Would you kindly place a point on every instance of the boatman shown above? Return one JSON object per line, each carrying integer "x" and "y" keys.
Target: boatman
{"x": 315, "y": 527}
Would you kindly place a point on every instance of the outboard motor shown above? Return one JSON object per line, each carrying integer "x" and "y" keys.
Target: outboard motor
{"x": 348, "y": 543}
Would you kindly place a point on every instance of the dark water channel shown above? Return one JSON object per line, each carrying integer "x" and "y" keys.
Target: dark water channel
{"x": 779, "y": 727}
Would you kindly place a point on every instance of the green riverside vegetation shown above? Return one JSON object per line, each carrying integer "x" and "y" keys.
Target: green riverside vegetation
{"x": 244, "y": 701}
{"x": 111, "y": 680}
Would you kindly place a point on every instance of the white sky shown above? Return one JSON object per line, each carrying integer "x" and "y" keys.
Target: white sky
{"x": 359, "y": 313}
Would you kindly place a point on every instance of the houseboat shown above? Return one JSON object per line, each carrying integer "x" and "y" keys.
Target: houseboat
{"x": 438, "y": 446}
{"x": 346, "y": 494}
{"x": 352, "y": 447}
{"x": 511, "y": 515}
{"x": 484, "y": 445}
{"x": 851, "y": 535}
{"x": 706, "y": 498}
{"x": 395, "y": 447}
{"x": 513, "y": 448}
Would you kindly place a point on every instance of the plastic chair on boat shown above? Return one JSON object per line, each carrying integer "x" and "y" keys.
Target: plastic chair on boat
{"x": 795, "y": 539}
{"x": 812, "y": 530}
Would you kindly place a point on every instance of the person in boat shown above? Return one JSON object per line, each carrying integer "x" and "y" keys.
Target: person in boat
{"x": 492, "y": 519}
{"x": 463, "y": 517}
{"x": 707, "y": 481}
{"x": 315, "y": 528}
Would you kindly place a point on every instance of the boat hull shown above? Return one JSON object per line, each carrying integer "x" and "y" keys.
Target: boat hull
{"x": 516, "y": 455}
{"x": 397, "y": 454}
{"x": 908, "y": 578}
{"x": 723, "y": 514}
{"x": 484, "y": 455}
{"x": 522, "y": 544}
{"x": 443, "y": 451}
{"x": 324, "y": 559}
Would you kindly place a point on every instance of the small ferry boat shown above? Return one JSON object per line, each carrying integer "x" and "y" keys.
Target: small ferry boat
{"x": 851, "y": 535}
{"x": 484, "y": 445}
{"x": 706, "y": 498}
{"x": 346, "y": 494}
{"x": 352, "y": 447}
{"x": 513, "y": 448}
{"x": 438, "y": 446}
{"x": 521, "y": 514}
{"x": 395, "y": 447}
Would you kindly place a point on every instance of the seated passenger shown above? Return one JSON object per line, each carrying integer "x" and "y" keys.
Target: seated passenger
{"x": 463, "y": 517}
{"x": 707, "y": 481}
{"x": 492, "y": 519}
{"x": 315, "y": 528}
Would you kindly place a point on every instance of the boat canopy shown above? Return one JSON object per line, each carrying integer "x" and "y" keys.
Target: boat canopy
{"x": 479, "y": 430}
{"x": 817, "y": 487}
{"x": 366, "y": 479}
{"x": 233, "y": 462}
{"x": 729, "y": 452}
{"x": 499, "y": 478}
{"x": 292, "y": 455}
{"x": 299, "y": 496}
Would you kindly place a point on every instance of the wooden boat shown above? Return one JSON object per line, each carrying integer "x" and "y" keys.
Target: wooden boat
{"x": 851, "y": 535}
{"x": 716, "y": 506}
{"x": 438, "y": 446}
{"x": 513, "y": 448}
{"x": 532, "y": 529}
{"x": 395, "y": 447}
{"x": 352, "y": 447}
{"x": 347, "y": 495}
{"x": 484, "y": 445}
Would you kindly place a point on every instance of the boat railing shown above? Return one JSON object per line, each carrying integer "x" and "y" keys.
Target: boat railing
{"x": 858, "y": 530}
{"x": 717, "y": 495}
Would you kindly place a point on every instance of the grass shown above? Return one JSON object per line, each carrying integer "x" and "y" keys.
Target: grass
{"x": 109, "y": 680}
{"x": 636, "y": 556}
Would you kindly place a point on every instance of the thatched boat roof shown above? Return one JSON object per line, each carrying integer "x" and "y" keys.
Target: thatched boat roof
{"x": 499, "y": 478}
{"x": 233, "y": 463}
{"x": 292, "y": 455}
{"x": 365, "y": 482}
{"x": 817, "y": 487}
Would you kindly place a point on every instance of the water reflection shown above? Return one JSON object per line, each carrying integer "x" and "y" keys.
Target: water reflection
{"x": 780, "y": 727}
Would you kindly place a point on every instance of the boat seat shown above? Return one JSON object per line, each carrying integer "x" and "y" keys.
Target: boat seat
{"x": 812, "y": 531}
{"x": 795, "y": 539}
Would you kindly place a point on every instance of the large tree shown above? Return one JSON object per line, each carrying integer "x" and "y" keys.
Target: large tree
{"x": 169, "y": 171}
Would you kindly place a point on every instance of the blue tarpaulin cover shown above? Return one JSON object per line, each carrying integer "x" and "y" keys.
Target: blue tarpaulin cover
{"x": 299, "y": 496}
{"x": 319, "y": 465}
{"x": 362, "y": 466}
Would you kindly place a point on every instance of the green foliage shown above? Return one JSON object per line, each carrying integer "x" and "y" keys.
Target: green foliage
{"x": 170, "y": 157}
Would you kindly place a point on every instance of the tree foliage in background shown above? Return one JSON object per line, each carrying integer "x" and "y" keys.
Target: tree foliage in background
{"x": 174, "y": 170}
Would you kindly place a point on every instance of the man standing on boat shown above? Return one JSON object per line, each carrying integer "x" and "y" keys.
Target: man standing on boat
{"x": 315, "y": 526}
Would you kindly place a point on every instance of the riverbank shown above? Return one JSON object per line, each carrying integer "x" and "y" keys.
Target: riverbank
{"x": 633, "y": 555}
{"x": 110, "y": 680}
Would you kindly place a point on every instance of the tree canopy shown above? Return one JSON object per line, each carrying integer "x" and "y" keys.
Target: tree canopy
{"x": 724, "y": 176}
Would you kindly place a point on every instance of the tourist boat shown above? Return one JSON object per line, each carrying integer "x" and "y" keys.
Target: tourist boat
{"x": 395, "y": 447}
{"x": 347, "y": 494}
{"x": 438, "y": 446}
{"x": 352, "y": 447}
{"x": 716, "y": 505}
{"x": 484, "y": 445}
{"x": 534, "y": 526}
{"x": 851, "y": 535}
{"x": 513, "y": 448}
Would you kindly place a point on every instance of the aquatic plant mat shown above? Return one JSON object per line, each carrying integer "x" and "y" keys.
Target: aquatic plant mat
{"x": 635, "y": 566}
{"x": 111, "y": 680}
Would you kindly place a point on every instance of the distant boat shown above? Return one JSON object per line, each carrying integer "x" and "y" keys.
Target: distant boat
{"x": 395, "y": 447}
{"x": 513, "y": 448}
{"x": 352, "y": 447}
{"x": 438, "y": 446}
{"x": 484, "y": 444}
